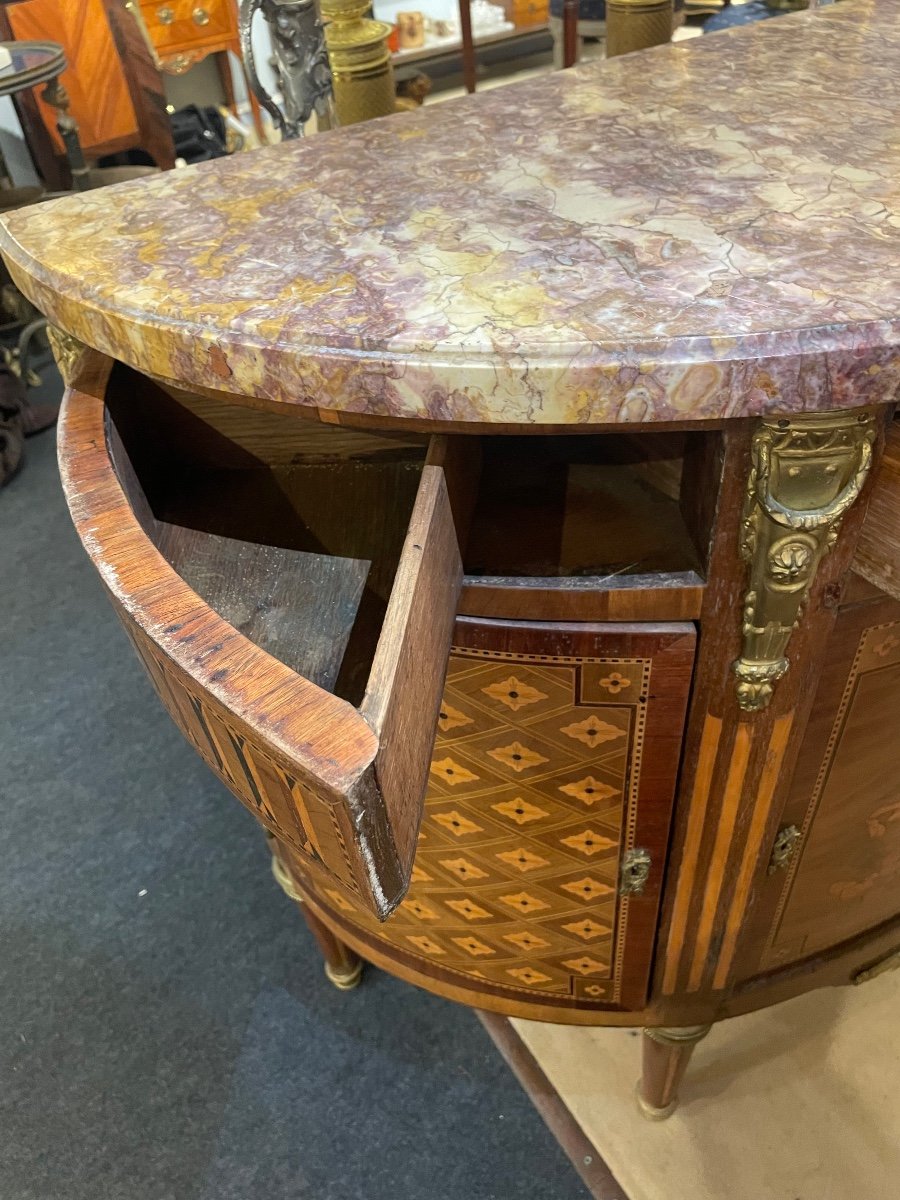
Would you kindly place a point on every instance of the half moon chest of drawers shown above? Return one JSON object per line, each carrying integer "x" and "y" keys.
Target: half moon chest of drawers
{"x": 565, "y": 692}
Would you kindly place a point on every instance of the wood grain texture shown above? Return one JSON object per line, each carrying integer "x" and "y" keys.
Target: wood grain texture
{"x": 277, "y": 438}
{"x": 295, "y": 754}
{"x": 404, "y": 690}
{"x": 877, "y": 556}
{"x": 693, "y": 838}
{"x": 298, "y": 607}
{"x": 594, "y": 1172}
{"x": 95, "y": 78}
{"x": 461, "y": 460}
{"x": 145, "y": 85}
{"x": 715, "y": 873}
{"x": 661, "y": 596}
{"x": 752, "y": 849}
{"x": 575, "y": 508}
{"x": 483, "y": 845}
{"x": 842, "y": 879}
{"x": 665, "y": 1058}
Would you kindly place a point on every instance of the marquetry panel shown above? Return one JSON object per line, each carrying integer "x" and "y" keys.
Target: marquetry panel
{"x": 262, "y": 783}
{"x": 844, "y": 877}
{"x": 536, "y": 792}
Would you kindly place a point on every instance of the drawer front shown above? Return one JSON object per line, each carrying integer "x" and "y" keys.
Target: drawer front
{"x": 554, "y": 768}
{"x": 341, "y": 783}
{"x": 95, "y": 78}
{"x": 530, "y": 12}
{"x": 179, "y": 26}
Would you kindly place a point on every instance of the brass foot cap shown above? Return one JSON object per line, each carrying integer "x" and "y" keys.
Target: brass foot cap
{"x": 345, "y": 980}
{"x": 650, "y": 1111}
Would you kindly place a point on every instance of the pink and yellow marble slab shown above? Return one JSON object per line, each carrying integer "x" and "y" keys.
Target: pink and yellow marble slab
{"x": 701, "y": 231}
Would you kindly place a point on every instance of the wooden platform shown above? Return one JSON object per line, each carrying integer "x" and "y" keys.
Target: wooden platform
{"x": 796, "y": 1102}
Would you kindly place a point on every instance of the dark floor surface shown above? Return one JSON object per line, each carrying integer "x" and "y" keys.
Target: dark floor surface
{"x": 166, "y": 1032}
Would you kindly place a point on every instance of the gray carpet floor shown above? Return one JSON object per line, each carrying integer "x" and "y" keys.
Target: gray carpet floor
{"x": 166, "y": 1032}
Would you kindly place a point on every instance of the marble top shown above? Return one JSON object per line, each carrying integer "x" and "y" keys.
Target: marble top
{"x": 704, "y": 230}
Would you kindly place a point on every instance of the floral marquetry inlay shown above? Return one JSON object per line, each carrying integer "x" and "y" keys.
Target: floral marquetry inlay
{"x": 520, "y": 811}
{"x": 517, "y": 756}
{"x": 586, "y": 965}
{"x": 615, "y": 683}
{"x": 473, "y": 946}
{"x": 590, "y": 790}
{"x": 451, "y": 718}
{"x": 589, "y": 842}
{"x": 524, "y": 902}
{"x": 592, "y": 731}
{"x": 468, "y": 909}
{"x": 523, "y": 860}
{"x": 587, "y": 888}
{"x": 462, "y": 868}
{"x": 452, "y": 772}
{"x": 587, "y": 929}
{"x": 458, "y": 824}
{"x": 514, "y": 693}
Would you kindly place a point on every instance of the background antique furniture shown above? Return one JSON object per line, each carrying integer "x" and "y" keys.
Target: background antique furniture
{"x": 575, "y": 460}
{"x": 181, "y": 33}
{"x": 115, "y": 91}
{"x": 41, "y": 63}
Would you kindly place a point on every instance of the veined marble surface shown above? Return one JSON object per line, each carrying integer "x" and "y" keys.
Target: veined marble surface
{"x": 704, "y": 230}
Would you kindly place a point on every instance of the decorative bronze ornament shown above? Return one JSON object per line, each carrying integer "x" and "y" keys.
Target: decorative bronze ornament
{"x": 890, "y": 963}
{"x": 805, "y": 473}
{"x": 300, "y": 60}
{"x": 67, "y": 350}
{"x": 636, "y": 866}
{"x": 783, "y": 848}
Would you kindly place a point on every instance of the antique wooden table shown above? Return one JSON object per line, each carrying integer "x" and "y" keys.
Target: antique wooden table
{"x": 584, "y": 383}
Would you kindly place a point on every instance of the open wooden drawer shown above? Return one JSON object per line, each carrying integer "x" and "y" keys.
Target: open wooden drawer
{"x": 340, "y": 777}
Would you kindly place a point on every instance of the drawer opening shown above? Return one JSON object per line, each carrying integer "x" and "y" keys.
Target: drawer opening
{"x": 290, "y": 530}
{"x": 594, "y": 508}
{"x": 241, "y": 562}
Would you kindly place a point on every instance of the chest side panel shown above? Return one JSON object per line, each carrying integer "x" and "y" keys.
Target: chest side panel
{"x": 844, "y": 878}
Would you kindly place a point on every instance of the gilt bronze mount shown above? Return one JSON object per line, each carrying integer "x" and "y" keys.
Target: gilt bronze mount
{"x": 805, "y": 474}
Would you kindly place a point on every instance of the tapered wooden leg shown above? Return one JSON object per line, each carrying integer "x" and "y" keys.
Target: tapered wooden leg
{"x": 667, "y": 1053}
{"x": 343, "y": 967}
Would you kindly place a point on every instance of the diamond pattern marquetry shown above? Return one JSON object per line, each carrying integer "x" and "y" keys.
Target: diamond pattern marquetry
{"x": 515, "y": 881}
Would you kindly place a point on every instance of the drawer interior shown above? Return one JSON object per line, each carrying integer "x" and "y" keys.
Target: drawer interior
{"x": 587, "y": 506}
{"x": 291, "y": 530}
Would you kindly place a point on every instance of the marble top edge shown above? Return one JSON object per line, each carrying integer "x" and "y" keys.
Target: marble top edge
{"x": 680, "y": 241}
